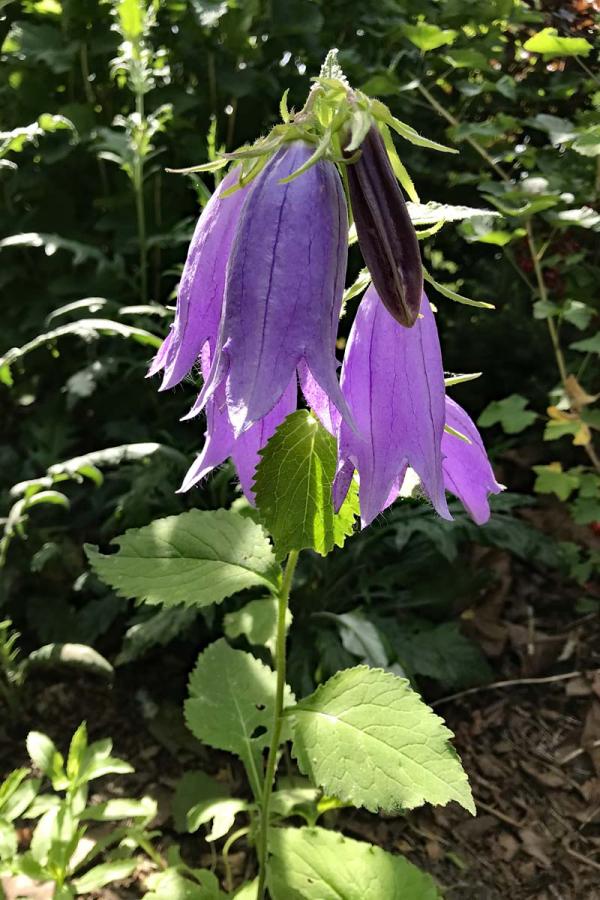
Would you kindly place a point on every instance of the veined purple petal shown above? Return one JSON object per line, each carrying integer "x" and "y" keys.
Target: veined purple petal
{"x": 221, "y": 443}
{"x": 393, "y": 380}
{"x": 160, "y": 360}
{"x": 284, "y": 288}
{"x": 467, "y": 470}
{"x": 200, "y": 297}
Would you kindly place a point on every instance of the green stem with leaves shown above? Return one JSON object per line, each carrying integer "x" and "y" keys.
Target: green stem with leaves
{"x": 535, "y": 254}
{"x": 138, "y": 186}
{"x": 280, "y": 669}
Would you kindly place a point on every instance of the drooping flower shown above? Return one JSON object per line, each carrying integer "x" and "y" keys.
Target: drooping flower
{"x": 200, "y": 295}
{"x": 284, "y": 288}
{"x": 467, "y": 470}
{"x": 221, "y": 443}
{"x": 386, "y": 234}
{"x": 393, "y": 380}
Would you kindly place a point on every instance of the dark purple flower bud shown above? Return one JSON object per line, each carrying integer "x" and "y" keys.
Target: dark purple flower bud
{"x": 386, "y": 234}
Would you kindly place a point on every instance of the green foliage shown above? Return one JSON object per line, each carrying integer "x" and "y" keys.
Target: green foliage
{"x": 293, "y": 488}
{"x": 511, "y": 414}
{"x": 314, "y": 864}
{"x": 365, "y": 713}
{"x": 231, "y": 703}
{"x": 200, "y": 799}
{"x": 60, "y": 851}
{"x": 196, "y": 558}
{"x": 550, "y": 44}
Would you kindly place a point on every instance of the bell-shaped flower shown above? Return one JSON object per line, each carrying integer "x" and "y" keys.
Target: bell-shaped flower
{"x": 386, "y": 235}
{"x": 393, "y": 380}
{"x": 200, "y": 295}
{"x": 221, "y": 443}
{"x": 284, "y": 288}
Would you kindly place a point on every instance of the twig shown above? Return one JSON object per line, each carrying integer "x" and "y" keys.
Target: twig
{"x": 582, "y": 858}
{"x": 579, "y": 752}
{"x": 499, "y": 815}
{"x": 514, "y": 682}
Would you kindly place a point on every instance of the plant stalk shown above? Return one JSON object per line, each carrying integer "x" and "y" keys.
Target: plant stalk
{"x": 280, "y": 669}
{"x": 138, "y": 184}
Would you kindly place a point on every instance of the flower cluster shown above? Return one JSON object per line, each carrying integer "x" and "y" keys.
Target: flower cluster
{"x": 258, "y": 310}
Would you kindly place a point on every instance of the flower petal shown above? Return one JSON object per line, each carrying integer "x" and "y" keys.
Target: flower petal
{"x": 200, "y": 297}
{"x": 284, "y": 287}
{"x": 467, "y": 470}
{"x": 393, "y": 380}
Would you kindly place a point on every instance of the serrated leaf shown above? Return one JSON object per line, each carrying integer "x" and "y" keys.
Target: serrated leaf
{"x": 197, "y": 558}
{"x": 367, "y": 738}
{"x": 315, "y": 864}
{"x": 231, "y": 704}
{"x": 200, "y": 799}
{"x": 173, "y": 885}
{"x": 293, "y": 488}
{"x": 444, "y": 653}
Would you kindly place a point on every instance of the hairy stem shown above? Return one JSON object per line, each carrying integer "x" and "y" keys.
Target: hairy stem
{"x": 280, "y": 667}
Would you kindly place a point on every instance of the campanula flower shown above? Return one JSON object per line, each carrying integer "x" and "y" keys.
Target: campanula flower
{"x": 284, "y": 286}
{"x": 385, "y": 232}
{"x": 393, "y": 380}
{"x": 221, "y": 443}
{"x": 200, "y": 295}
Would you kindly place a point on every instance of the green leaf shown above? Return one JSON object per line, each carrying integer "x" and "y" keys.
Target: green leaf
{"x": 121, "y": 808}
{"x": 159, "y": 629}
{"x": 293, "y": 488}
{"x": 444, "y": 653}
{"x": 200, "y": 799}
{"x": 511, "y": 414}
{"x": 552, "y": 480}
{"x": 588, "y": 345}
{"x": 361, "y": 638}
{"x": 257, "y": 621}
{"x": 77, "y": 655}
{"x": 315, "y": 864}
{"x": 196, "y": 558}
{"x": 88, "y": 329}
{"x": 577, "y": 313}
{"x": 368, "y": 714}
{"x": 8, "y": 840}
{"x": 16, "y": 794}
{"x": 44, "y": 755}
{"x": 231, "y": 703}
{"x": 445, "y": 291}
{"x": 429, "y": 37}
{"x": 103, "y": 874}
{"x": 550, "y": 45}
{"x": 173, "y": 885}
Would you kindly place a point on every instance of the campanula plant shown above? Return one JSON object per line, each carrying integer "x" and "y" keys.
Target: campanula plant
{"x": 258, "y": 311}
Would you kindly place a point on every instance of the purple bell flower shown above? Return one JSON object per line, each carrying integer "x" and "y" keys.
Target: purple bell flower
{"x": 284, "y": 288}
{"x": 393, "y": 380}
{"x": 221, "y": 443}
{"x": 200, "y": 296}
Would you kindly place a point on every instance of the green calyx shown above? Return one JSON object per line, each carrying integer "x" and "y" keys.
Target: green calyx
{"x": 335, "y": 117}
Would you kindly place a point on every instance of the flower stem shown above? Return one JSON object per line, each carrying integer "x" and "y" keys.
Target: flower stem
{"x": 138, "y": 184}
{"x": 280, "y": 667}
